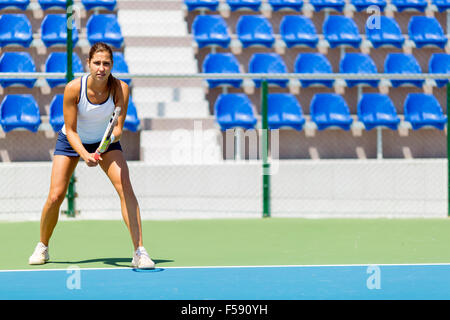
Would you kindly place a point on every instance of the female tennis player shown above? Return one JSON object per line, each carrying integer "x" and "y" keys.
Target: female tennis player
{"x": 88, "y": 104}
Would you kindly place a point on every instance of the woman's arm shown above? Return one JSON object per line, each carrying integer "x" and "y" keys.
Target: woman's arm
{"x": 121, "y": 96}
{"x": 70, "y": 111}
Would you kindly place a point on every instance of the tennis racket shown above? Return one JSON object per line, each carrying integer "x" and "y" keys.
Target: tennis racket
{"x": 106, "y": 140}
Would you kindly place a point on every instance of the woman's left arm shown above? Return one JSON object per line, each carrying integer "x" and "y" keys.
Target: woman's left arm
{"x": 121, "y": 96}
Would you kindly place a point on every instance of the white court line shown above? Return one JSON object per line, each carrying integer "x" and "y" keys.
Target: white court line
{"x": 230, "y": 267}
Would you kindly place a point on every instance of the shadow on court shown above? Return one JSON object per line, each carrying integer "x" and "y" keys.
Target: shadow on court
{"x": 116, "y": 262}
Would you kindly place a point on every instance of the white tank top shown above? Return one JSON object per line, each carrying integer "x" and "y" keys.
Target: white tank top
{"x": 92, "y": 119}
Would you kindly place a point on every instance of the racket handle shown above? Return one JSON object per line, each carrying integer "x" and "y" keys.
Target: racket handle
{"x": 96, "y": 155}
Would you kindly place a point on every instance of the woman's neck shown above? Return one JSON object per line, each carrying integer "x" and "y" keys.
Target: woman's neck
{"x": 97, "y": 86}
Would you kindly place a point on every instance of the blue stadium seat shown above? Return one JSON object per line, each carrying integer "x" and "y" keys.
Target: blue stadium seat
{"x": 120, "y": 65}
{"x": 244, "y": 4}
{"x": 284, "y": 110}
{"x": 277, "y": 5}
{"x": 131, "y": 120}
{"x": 298, "y": 30}
{"x": 56, "y": 116}
{"x": 255, "y": 30}
{"x": 210, "y": 30}
{"x": 201, "y": 4}
{"x": 330, "y": 110}
{"x": 50, "y": 4}
{"x": 99, "y": 4}
{"x": 377, "y": 110}
{"x": 361, "y": 5}
{"x": 54, "y": 30}
{"x": 426, "y": 31}
{"x": 15, "y": 29}
{"x": 19, "y": 111}
{"x": 57, "y": 62}
{"x": 388, "y": 34}
{"x": 105, "y": 28}
{"x": 402, "y": 5}
{"x": 17, "y": 62}
{"x": 358, "y": 63}
{"x": 341, "y": 30}
{"x": 424, "y": 110}
{"x": 268, "y": 63}
{"x": 222, "y": 63}
{"x": 234, "y": 110}
{"x": 402, "y": 63}
{"x": 442, "y": 5}
{"x": 19, "y": 4}
{"x": 319, "y": 5}
{"x": 439, "y": 63}
{"x": 313, "y": 63}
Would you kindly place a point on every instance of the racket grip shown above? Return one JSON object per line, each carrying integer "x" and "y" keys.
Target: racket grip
{"x": 96, "y": 155}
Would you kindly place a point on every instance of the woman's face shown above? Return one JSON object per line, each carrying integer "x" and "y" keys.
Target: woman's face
{"x": 100, "y": 65}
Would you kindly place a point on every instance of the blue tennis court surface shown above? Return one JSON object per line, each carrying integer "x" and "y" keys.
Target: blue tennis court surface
{"x": 430, "y": 281}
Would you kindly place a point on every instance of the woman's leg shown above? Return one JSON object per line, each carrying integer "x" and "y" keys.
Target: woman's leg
{"x": 62, "y": 170}
{"x": 116, "y": 168}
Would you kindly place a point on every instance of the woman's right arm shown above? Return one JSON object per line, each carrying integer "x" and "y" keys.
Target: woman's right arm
{"x": 70, "y": 111}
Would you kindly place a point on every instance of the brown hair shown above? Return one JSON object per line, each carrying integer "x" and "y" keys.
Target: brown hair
{"x": 101, "y": 46}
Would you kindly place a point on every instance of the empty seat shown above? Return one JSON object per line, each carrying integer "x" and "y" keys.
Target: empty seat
{"x": 201, "y": 4}
{"x": 426, "y": 31}
{"x": 56, "y": 116}
{"x": 57, "y": 62}
{"x": 268, "y": 63}
{"x": 442, "y": 5}
{"x": 222, "y": 63}
{"x": 284, "y": 110}
{"x": 234, "y": 110}
{"x": 298, "y": 30}
{"x": 313, "y": 63}
{"x": 120, "y": 66}
{"x": 244, "y": 4}
{"x": 211, "y": 30}
{"x": 388, "y": 33}
{"x": 402, "y": 63}
{"x": 361, "y": 5}
{"x": 104, "y": 28}
{"x": 15, "y": 29}
{"x": 358, "y": 63}
{"x": 20, "y": 4}
{"x": 377, "y": 110}
{"x": 402, "y": 5}
{"x": 131, "y": 120}
{"x": 439, "y": 63}
{"x": 424, "y": 110}
{"x": 255, "y": 30}
{"x": 286, "y": 4}
{"x": 328, "y": 4}
{"x": 19, "y": 62}
{"x": 99, "y": 4}
{"x": 54, "y": 30}
{"x": 19, "y": 111}
{"x": 341, "y": 30}
{"x": 330, "y": 110}
{"x": 50, "y": 4}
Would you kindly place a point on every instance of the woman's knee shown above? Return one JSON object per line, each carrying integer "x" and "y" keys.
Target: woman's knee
{"x": 55, "y": 198}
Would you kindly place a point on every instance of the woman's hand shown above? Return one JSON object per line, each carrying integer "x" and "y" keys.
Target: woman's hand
{"x": 90, "y": 160}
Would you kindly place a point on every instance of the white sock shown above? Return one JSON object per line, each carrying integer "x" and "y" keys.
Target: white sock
{"x": 40, "y": 244}
{"x": 141, "y": 250}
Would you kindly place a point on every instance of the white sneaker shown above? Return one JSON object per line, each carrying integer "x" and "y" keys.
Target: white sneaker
{"x": 141, "y": 259}
{"x": 40, "y": 254}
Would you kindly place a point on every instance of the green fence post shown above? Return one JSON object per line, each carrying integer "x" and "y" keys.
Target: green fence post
{"x": 265, "y": 149}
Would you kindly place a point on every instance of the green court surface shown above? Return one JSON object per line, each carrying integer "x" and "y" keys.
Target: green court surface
{"x": 233, "y": 242}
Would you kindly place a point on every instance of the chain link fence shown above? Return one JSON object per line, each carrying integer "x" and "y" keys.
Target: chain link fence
{"x": 184, "y": 166}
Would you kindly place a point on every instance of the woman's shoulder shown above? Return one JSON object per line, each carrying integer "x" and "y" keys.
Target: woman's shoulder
{"x": 74, "y": 85}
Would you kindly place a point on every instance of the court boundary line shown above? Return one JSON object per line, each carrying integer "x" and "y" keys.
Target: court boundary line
{"x": 236, "y": 267}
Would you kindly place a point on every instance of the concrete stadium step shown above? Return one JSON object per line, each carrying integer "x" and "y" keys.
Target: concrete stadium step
{"x": 183, "y": 109}
{"x": 168, "y": 94}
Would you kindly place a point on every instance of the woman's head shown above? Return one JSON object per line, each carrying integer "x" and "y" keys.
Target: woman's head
{"x": 100, "y": 62}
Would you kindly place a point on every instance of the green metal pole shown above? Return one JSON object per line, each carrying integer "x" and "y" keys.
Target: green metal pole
{"x": 71, "y": 194}
{"x": 448, "y": 150}
{"x": 265, "y": 150}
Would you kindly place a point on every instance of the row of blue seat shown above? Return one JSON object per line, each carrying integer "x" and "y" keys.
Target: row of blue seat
{"x": 22, "y": 111}
{"x": 22, "y": 62}
{"x": 318, "y": 63}
{"x": 318, "y": 5}
{"x": 296, "y": 30}
{"x": 327, "y": 110}
{"x": 16, "y": 29}
{"x": 51, "y": 4}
